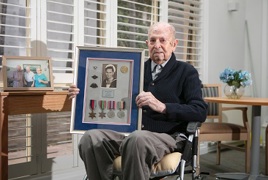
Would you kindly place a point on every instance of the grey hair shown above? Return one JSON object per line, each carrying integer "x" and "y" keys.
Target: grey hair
{"x": 165, "y": 24}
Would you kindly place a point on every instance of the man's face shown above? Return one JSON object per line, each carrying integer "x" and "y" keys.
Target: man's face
{"x": 18, "y": 68}
{"x": 161, "y": 44}
{"x": 109, "y": 73}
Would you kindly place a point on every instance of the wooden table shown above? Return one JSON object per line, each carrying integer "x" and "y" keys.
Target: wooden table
{"x": 256, "y": 104}
{"x": 27, "y": 102}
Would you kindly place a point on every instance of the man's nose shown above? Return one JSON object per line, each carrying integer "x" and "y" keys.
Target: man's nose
{"x": 157, "y": 44}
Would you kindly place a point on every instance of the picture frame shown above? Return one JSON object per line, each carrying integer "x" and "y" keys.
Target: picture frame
{"x": 23, "y": 73}
{"x": 109, "y": 80}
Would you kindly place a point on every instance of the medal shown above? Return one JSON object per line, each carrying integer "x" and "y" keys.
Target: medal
{"x": 111, "y": 107}
{"x": 92, "y": 105}
{"x": 102, "y": 105}
{"x": 121, "y": 106}
{"x": 124, "y": 69}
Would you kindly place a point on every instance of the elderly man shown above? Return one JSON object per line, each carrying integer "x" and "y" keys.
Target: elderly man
{"x": 18, "y": 77}
{"x": 28, "y": 77}
{"x": 171, "y": 98}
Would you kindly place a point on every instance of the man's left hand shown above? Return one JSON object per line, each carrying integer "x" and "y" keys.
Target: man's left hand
{"x": 148, "y": 99}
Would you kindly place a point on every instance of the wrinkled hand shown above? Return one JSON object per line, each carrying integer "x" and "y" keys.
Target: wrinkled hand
{"x": 73, "y": 91}
{"x": 148, "y": 99}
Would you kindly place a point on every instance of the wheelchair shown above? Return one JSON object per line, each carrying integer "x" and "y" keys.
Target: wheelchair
{"x": 176, "y": 163}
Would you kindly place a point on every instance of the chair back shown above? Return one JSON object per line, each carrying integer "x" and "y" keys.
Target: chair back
{"x": 214, "y": 109}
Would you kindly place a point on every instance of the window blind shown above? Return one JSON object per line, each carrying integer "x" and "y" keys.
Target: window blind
{"x": 95, "y": 23}
{"x": 134, "y": 18}
{"x": 15, "y": 29}
{"x": 186, "y": 15}
{"x": 60, "y": 39}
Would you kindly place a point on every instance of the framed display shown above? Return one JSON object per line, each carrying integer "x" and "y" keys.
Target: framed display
{"x": 27, "y": 73}
{"x": 109, "y": 80}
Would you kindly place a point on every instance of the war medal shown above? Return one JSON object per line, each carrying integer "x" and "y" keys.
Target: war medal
{"x": 121, "y": 106}
{"x": 92, "y": 105}
{"x": 111, "y": 107}
{"x": 102, "y": 105}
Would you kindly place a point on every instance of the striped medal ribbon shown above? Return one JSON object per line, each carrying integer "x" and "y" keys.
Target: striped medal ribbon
{"x": 111, "y": 107}
{"x": 102, "y": 105}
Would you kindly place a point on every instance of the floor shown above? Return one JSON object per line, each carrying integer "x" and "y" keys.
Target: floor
{"x": 231, "y": 161}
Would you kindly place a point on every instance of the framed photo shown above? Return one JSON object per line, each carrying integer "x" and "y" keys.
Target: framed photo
{"x": 27, "y": 73}
{"x": 109, "y": 80}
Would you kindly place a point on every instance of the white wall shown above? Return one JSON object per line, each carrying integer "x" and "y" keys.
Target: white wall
{"x": 225, "y": 38}
{"x": 238, "y": 39}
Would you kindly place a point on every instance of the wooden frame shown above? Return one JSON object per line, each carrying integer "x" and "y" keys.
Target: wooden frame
{"x": 112, "y": 106}
{"x": 17, "y": 78}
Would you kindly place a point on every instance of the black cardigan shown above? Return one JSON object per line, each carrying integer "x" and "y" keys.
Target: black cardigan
{"x": 179, "y": 87}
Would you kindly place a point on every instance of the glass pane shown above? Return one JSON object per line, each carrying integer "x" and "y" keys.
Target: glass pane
{"x": 60, "y": 32}
{"x": 14, "y": 29}
{"x": 134, "y": 18}
{"x": 19, "y": 139}
{"x": 59, "y": 138}
{"x": 95, "y": 23}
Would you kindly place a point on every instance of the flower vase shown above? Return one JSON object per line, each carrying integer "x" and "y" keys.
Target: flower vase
{"x": 234, "y": 92}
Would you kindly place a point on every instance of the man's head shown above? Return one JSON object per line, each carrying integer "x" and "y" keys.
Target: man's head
{"x": 161, "y": 41}
{"x": 109, "y": 70}
{"x": 18, "y": 68}
{"x": 27, "y": 69}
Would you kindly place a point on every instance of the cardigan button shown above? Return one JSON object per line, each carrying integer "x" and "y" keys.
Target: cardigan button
{"x": 152, "y": 84}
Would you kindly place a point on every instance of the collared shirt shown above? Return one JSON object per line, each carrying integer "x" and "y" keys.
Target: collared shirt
{"x": 157, "y": 68}
{"x": 29, "y": 76}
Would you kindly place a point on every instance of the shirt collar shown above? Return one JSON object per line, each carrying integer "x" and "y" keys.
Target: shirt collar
{"x": 153, "y": 64}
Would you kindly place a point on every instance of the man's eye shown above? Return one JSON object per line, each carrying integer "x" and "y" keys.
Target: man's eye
{"x": 152, "y": 41}
{"x": 163, "y": 41}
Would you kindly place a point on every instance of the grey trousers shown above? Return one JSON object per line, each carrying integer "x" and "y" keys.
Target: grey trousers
{"x": 139, "y": 151}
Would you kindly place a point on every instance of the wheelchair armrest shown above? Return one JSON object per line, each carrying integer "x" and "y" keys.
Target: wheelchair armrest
{"x": 192, "y": 127}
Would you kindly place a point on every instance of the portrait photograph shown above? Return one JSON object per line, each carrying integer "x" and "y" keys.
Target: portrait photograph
{"x": 109, "y": 74}
{"x": 27, "y": 73}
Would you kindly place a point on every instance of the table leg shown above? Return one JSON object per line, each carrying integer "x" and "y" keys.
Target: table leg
{"x": 255, "y": 142}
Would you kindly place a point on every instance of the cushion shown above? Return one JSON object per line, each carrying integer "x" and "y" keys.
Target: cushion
{"x": 212, "y": 128}
{"x": 167, "y": 165}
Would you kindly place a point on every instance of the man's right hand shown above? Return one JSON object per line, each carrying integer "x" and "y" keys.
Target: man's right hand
{"x": 73, "y": 91}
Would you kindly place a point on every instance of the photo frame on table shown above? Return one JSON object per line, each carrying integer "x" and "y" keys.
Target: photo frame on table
{"x": 22, "y": 73}
{"x": 109, "y": 80}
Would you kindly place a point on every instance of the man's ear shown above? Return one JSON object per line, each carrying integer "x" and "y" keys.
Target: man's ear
{"x": 175, "y": 43}
{"x": 146, "y": 41}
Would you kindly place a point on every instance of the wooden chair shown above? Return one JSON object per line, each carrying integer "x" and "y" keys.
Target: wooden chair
{"x": 221, "y": 132}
